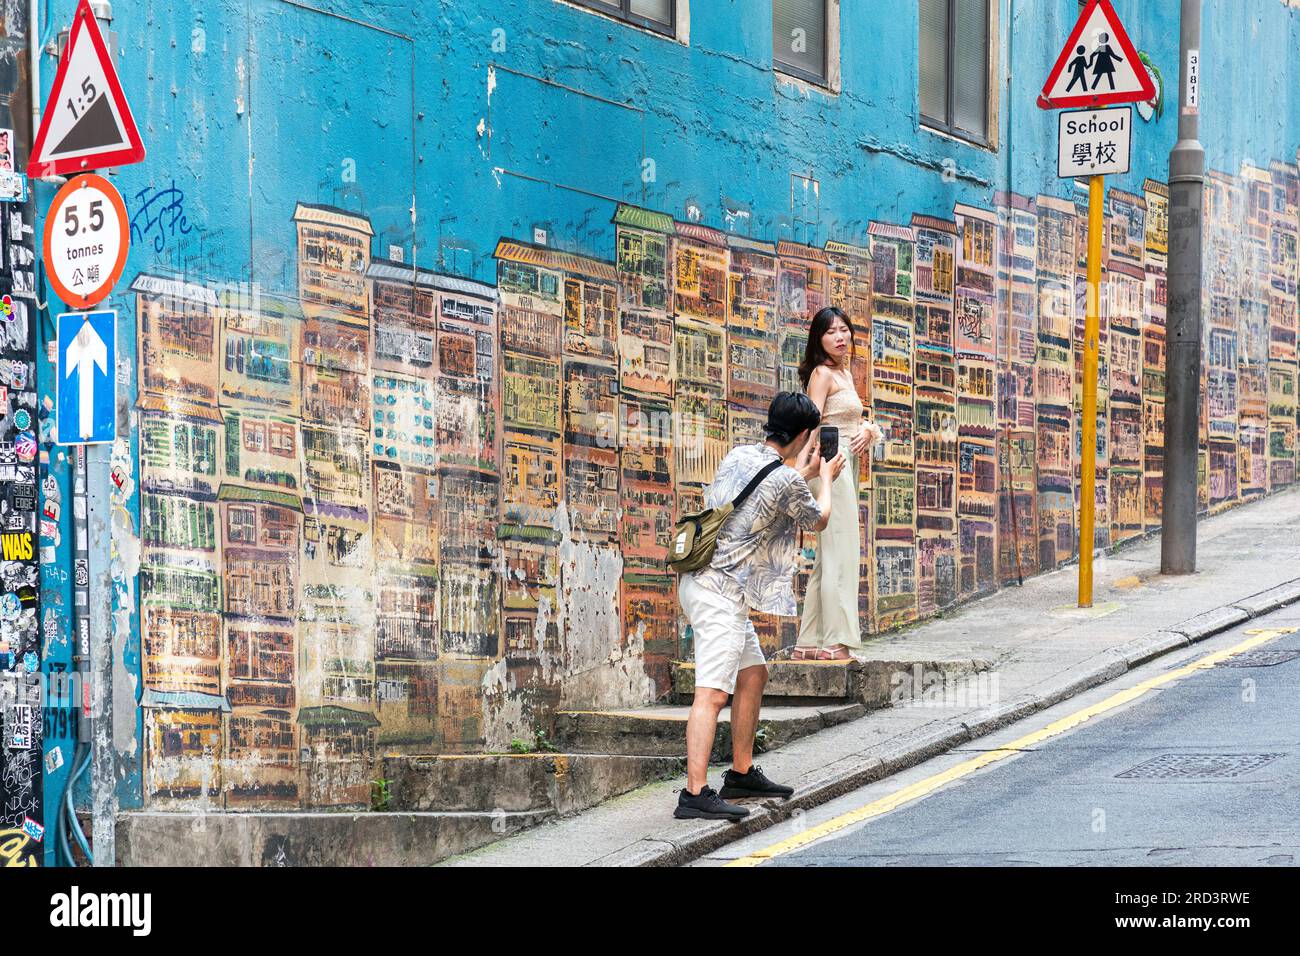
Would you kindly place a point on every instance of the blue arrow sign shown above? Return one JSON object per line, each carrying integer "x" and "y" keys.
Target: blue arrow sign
{"x": 86, "y": 411}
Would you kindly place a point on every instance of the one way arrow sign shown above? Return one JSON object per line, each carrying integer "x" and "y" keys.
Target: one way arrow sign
{"x": 87, "y": 394}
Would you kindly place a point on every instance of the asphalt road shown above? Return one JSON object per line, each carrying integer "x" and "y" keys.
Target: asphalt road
{"x": 1201, "y": 771}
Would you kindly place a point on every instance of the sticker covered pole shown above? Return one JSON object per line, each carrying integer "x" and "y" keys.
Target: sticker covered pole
{"x": 87, "y": 125}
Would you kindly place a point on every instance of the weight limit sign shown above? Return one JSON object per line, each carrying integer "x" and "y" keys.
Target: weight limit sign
{"x": 86, "y": 240}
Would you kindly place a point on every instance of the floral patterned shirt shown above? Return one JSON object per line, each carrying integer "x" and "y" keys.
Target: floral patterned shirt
{"x": 756, "y": 544}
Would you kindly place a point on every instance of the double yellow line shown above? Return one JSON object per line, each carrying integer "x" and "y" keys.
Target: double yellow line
{"x": 927, "y": 786}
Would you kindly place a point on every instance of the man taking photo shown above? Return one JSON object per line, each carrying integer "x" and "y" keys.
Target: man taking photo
{"x": 751, "y": 570}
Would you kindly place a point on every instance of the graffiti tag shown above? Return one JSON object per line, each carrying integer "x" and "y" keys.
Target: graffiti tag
{"x": 12, "y": 843}
{"x": 160, "y": 214}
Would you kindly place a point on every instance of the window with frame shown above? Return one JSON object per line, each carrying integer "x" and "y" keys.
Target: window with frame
{"x": 254, "y": 436}
{"x": 241, "y": 525}
{"x": 279, "y": 528}
{"x": 657, "y": 15}
{"x": 800, "y": 32}
{"x": 281, "y": 438}
{"x": 954, "y": 58}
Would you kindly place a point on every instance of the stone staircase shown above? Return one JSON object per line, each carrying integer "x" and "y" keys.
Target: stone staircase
{"x": 793, "y": 684}
{"x": 661, "y": 731}
{"x": 801, "y": 698}
{"x": 606, "y": 753}
{"x": 548, "y": 783}
{"x": 446, "y": 804}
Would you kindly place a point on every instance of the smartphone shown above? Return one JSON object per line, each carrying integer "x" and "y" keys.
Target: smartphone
{"x": 830, "y": 442}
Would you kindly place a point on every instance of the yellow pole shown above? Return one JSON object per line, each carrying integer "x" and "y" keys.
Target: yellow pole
{"x": 1091, "y": 329}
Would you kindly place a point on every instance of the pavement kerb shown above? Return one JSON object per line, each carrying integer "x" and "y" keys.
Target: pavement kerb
{"x": 642, "y": 853}
{"x": 929, "y": 741}
{"x": 919, "y": 745}
{"x": 995, "y": 718}
{"x": 1213, "y": 622}
{"x": 1137, "y": 652}
{"x": 1270, "y": 600}
{"x": 1074, "y": 683}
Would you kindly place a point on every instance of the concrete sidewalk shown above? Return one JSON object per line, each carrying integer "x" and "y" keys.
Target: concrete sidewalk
{"x": 1042, "y": 650}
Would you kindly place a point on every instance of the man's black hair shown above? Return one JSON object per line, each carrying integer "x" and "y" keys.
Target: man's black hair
{"x": 789, "y": 414}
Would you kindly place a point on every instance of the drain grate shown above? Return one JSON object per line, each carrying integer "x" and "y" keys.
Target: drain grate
{"x": 1198, "y": 766}
{"x": 1261, "y": 658}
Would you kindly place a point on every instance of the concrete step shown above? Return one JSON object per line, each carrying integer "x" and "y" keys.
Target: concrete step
{"x": 155, "y": 838}
{"x": 661, "y": 731}
{"x": 519, "y": 783}
{"x": 878, "y": 679}
{"x": 890, "y": 678}
{"x": 788, "y": 682}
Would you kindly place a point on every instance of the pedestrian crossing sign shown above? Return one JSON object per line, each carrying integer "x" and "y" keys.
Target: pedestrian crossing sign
{"x": 1098, "y": 65}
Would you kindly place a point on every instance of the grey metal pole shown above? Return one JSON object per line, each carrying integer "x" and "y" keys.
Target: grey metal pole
{"x": 81, "y": 618}
{"x": 1183, "y": 337}
{"x": 103, "y": 781}
{"x": 92, "y": 581}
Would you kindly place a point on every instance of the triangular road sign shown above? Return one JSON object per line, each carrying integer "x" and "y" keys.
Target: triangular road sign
{"x": 1098, "y": 66}
{"x": 87, "y": 123}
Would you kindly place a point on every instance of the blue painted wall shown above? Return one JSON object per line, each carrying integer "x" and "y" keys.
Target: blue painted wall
{"x": 452, "y": 124}
{"x": 580, "y": 101}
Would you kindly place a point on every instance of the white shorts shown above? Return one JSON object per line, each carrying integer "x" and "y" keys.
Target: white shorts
{"x": 725, "y": 642}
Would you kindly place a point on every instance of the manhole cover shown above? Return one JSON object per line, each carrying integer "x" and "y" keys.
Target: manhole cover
{"x": 1198, "y": 766}
{"x": 1260, "y": 659}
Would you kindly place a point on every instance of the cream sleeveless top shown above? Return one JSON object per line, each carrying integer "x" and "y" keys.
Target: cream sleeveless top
{"x": 843, "y": 408}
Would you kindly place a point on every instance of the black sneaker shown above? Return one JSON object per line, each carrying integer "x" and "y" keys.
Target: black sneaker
{"x": 752, "y": 784}
{"x": 707, "y": 806}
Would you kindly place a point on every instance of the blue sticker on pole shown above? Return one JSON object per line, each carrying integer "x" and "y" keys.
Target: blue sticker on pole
{"x": 86, "y": 412}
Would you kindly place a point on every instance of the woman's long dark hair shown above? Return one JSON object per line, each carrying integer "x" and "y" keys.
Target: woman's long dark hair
{"x": 814, "y": 355}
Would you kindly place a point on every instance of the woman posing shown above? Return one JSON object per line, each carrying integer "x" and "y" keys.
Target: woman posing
{"x": 829, "y": 628}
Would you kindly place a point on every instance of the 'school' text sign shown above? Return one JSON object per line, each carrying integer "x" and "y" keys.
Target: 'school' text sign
{"x": 1094, "y": 142}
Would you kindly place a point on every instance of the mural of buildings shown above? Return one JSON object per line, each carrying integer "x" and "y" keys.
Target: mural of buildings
{"x": 409, "y": 445}
{"x": 183, "y": 445}
{"x": 1101, "y": 501}
{"x": 646, "y": 387}
{"x": 978, "y": 271}
{"x": 1053, "y": 385}
{"x": 1283, "y": 224}
{"x": 935, "y": 415}
{"x": 1126, "y": 291}
{"x": 359, "y": 500}
{"x": 407, "y": 464}
{"x": 1153, "y": 350}
{"x": 893, "y": 257}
